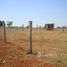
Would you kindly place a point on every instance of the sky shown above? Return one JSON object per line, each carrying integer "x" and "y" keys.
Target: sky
{"x": 39, "y": 12}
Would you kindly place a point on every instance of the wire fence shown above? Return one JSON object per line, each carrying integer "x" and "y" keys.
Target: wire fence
{"x": 1, "y": 34}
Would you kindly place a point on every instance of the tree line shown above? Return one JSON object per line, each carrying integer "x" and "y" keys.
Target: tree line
{"x": 9, "y": 23}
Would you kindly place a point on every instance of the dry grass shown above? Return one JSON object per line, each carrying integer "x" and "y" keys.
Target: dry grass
{"x": 49, "y": 48}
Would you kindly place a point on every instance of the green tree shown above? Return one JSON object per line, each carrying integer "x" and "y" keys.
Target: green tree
{"x": 9, "y": 23}
{"x": 1, "y": 23}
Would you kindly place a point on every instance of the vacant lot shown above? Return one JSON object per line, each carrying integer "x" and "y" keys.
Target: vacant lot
{"x": 49, "y": 48}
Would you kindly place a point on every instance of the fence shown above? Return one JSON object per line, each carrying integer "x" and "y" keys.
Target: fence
{"x": 19, "y": 35}
{"x": 3, "y": 32}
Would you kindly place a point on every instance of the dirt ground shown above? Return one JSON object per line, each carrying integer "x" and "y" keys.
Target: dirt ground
{"x": 49, "y": 48}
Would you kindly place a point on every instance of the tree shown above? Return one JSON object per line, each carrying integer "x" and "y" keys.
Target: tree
{"x": 9, "y": 23}
{"x": 1, "y": 23}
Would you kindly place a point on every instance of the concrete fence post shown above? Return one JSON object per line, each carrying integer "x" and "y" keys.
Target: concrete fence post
{"x": 4, "y": 31}
{"x": 30, "y": 37}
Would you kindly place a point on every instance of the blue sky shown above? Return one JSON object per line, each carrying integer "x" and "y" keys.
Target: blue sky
{"x": 39, "y": 11}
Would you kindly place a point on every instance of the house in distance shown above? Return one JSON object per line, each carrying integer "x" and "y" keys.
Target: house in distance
{"x": 49, "y": 26}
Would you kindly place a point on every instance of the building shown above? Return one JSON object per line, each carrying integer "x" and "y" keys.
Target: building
{"x": 49, "y": 26}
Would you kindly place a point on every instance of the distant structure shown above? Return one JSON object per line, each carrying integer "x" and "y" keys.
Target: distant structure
{"x": 49, "y": 26}
{"x": 27, "y": 26}
{"x": 40, "y": 27}
{"x": 22, "y": 26}
{"x": 36, "y": 26}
